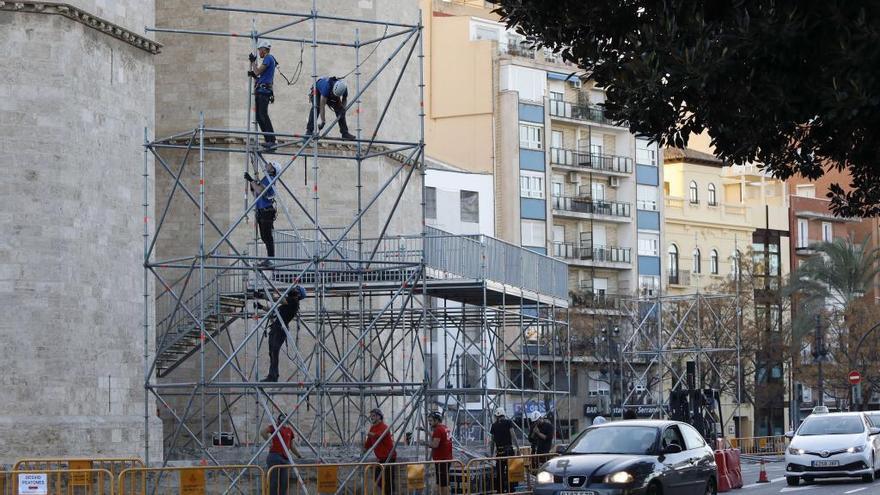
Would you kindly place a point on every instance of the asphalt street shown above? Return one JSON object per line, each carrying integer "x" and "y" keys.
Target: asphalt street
{"x": 775, "y": 472}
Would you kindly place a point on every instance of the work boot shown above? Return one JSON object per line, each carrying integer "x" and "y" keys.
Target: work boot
{"x": 347, "y": 136}
{"x": 269, "y": 379}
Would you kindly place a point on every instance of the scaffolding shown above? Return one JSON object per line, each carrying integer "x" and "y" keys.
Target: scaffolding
{"x": 670, "y": 334}
{"x": 398, "y": 315}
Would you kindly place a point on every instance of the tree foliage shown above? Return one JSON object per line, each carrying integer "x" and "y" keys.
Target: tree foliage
{"x": 791, "y": 84}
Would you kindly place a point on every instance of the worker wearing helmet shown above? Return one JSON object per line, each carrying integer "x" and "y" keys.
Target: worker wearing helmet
{"x": 541, "y": 433}
{"x": 288, "y": 308}
{"x": 332, "y": 92}
{"x": 264, "y": 75}
{"x": 502, "y": 445}
{"x": 379, "y": 440}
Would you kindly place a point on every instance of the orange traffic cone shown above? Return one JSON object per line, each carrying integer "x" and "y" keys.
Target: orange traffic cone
{"x": 762, "y": 478}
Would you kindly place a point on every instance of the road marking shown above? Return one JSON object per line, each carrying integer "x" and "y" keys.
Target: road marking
{"x": 753, "y": 485}
{"x": 857, "y": 489}
{"x": 797, "y": 488}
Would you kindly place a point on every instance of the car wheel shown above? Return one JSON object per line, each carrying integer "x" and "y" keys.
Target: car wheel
{"x": 710, "y": 487}
{"x": 654, "y": 489}
{"x": 792, "y": 480}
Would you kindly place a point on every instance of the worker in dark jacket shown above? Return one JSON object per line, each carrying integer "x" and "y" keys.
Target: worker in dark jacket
{"x": 287, "y": 310}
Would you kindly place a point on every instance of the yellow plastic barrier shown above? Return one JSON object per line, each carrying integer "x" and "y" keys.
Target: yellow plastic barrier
{"x": 113, "y": 464}
{"x": 774, "y": 445}
{"x": 399, "y": 478}
{"x": 196, "y": 480}
{"x": 504, "y": 475}
{"x": 326, "y": 479}
{"x": 57, "y": 482}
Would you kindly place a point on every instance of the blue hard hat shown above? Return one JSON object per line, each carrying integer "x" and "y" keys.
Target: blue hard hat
{"x": 301, "y": 291}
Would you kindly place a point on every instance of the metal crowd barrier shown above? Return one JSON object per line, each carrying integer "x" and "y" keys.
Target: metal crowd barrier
{"x": 348, "y": 478}
{"x": 113, "y": 464}
{"x": 198, "y": 480}
{"x": 399, "y": 478}
{"x": 57, "y": 482}
{"x": 774, "y": 445}
{"x": 504, "y": 475}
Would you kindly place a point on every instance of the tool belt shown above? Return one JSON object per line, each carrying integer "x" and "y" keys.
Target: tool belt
{"x": 265, "y": 89}
{"x": 267, "y": 214}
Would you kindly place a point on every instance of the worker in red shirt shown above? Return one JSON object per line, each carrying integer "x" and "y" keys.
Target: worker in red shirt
{"x": 281, "y": 438}
{"x": 441, "y": 450}
{"x": 379, "y": 438}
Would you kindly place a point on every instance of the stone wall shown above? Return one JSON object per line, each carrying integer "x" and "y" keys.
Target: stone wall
{"x": 74, "y": 103}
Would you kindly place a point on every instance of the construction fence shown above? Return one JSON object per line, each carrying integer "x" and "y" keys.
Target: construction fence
{"x": 490, "y": 475}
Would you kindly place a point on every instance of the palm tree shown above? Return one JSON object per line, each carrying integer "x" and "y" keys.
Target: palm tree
{"x": 840, "y": 273}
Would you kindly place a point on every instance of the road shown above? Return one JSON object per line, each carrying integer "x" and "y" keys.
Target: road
{"x": 775, "y": 472}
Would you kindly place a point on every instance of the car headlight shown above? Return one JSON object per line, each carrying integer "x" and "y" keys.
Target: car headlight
{"x": 794, "y": 451}
{"x": 854, "y": 450}
{"x": 619, "y": 478}
{"x": 544, "y": 477}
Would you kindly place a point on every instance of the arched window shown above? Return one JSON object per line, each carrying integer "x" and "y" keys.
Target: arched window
{"x": 694, "y": 194}
{"x": 673, "y": 263}
{"x": 713, "y": 262}
{"x": 713, "y": 195}
{"x": 696, "y": 267}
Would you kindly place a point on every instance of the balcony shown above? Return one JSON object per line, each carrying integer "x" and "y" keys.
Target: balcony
{"x": 593, "y": 161}
{"x": 596, "y": 254}
{"x": 587, "y": 206}
{"x": 680, "y": 277}
{"x": 519, "y": 49}
{"x": 584, "y": 113}
{"x": 587, "y": 299}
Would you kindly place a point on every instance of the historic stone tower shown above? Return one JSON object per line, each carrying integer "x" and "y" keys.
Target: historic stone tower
{"x": 77, "y": 93}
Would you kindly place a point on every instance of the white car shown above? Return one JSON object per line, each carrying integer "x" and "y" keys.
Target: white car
{"x": 833, "y": 446}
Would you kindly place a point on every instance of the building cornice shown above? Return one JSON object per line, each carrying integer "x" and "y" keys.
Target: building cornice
{"x": 85, "y": 18}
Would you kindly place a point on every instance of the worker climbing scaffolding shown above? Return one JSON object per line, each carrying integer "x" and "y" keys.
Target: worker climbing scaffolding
{"x": 286, "y": 311}
{"x": 332, "y": 92}
{"x": 264, "y": 76}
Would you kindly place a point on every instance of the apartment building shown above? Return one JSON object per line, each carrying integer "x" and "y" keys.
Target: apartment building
{"x": 568, "y": 181}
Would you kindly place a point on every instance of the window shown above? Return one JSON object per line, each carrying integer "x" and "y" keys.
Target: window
{"x": 557, "y": 189}
{"x": 556, "y": 139}
{"x": 598, "y": 384}
{"x": 470, "y": 206}
{"x": 598, "y": 191}
{"x": 531, "y": 184}
{"x": 691, "y": 437}
{"x": 673, "y": 262}
{"x": 531, "y": 136}
{"x": 694, "y": 194}
{"x": 431, "y": 202}
{"x": 827, "y": 232}
{"x": 533, "y": 233}
{"x": 646, "y": 154}
{"x": 713, "y": 262}
{"x": 696, "y": 261}
{"x": 646, "y": 198}
{"x": 649, "y": 245}
{"x": 805, "y": 190}
{"x": 556, "y": 95}
{"x": 713, "y": 195}
{"x": 803, "y": 229}
{"x": 648, "y": 285}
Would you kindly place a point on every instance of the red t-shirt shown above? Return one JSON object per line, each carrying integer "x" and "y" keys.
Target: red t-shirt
{"x": 444, "y": 448}
{"x": 385, "y": 450}
{"x": 286, "y": 433}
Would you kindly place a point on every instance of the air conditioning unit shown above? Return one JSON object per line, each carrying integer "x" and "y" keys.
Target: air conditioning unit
{"x": 614, "y": 181}
{"x": 575, "y": 82}
{"x": 571, "y": 177}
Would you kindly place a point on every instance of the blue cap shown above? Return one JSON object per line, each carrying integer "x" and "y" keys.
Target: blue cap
{"x": 301, "y": 291}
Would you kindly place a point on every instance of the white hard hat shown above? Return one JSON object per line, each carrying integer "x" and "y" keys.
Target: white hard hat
{"x": 599, "y": 420}
{"x": 535, "y": 415}
{"x": 499, "y": 412}
{"x": 264, "y": 44}
{"x": 274, "y": 168}
{"x": 339, "y": 88}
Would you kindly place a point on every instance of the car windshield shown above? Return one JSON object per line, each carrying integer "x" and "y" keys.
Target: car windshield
{"x": 831, "y": 425}
{"x": 874, "y": 418}
{"x": 636, "y": 440}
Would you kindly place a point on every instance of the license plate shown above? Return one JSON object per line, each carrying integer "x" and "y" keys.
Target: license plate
{"x": 578, "y": 492}
{"x": 826, "y": 463}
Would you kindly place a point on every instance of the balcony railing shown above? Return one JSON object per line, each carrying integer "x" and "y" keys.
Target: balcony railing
{"x": 592, "y": 300}
{"x": 574, "y": 251}
{"x": 583, "y": 205}
{"x": 519, "y": 49}
{"x": 595, "y": 161}
{"x": 587, "y": 113}
{"x": 680, "y": 277}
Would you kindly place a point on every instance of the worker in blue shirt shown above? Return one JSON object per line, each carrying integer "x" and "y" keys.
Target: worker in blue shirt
{"x": 265, "y": 207}
{"x": 263, "y": 75}
{"x": 332, "y": 92}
